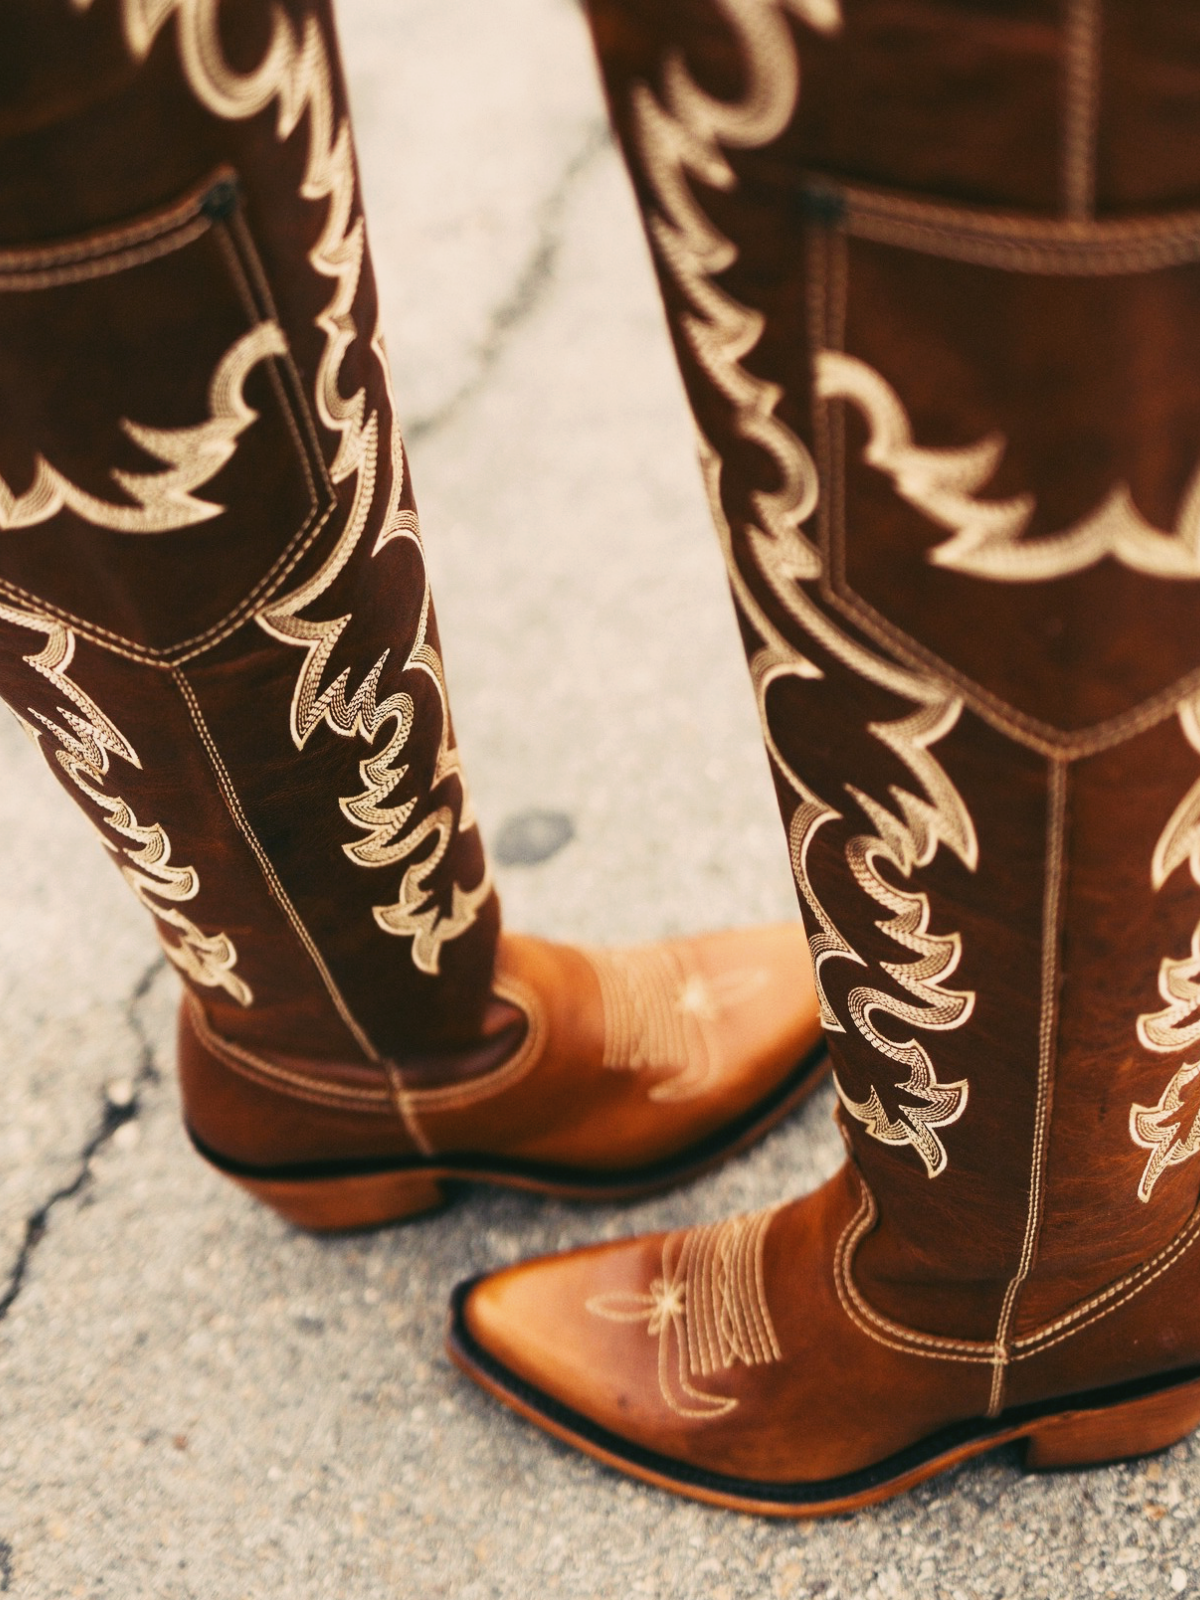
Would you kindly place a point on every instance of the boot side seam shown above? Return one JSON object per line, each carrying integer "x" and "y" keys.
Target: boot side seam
{"x": 280, "y": 894}
{"x": 1056, "y": 818}
{"x": 1081, "y": 106}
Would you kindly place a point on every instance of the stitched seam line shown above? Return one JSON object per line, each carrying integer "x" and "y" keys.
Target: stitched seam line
{"x": 1014, "y": 724}
{"x": 233, "y": 805}
{"x": 881, "y": 1329}
{"x": 455, "y": 1097}
{"x": 1123, "y": 1289}
{"x": 259, "y": 1070}
{"x": 12, "y": 283}
{"x": 1015, "y": 243}
{"x": 1081, "y": 106}
{"x": 111, "y": 249}
{"x": 1182, "y": 1245}
{"x": 1047, "y": 1040}
{"x": 402, "y": 1103}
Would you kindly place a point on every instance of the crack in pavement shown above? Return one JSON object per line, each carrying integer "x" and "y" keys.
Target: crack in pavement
{"x": 112, "y": 1117}
{"x": 528, "y": 291}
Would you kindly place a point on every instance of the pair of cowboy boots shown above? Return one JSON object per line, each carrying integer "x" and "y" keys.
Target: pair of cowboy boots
{"x": 932, "y": 277}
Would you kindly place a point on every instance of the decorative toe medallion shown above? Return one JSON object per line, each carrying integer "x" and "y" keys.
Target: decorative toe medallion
{"x": 710, "y": 1303}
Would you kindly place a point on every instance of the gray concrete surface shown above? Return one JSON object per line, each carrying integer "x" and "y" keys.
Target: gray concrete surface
{"x": 195, "y": 1400}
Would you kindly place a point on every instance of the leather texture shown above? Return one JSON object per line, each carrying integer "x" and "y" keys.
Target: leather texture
{"x": 626, "y": 1060}
{"x": 216, "y": 623}
{"x": 933, "y": 276}
{"x": 214, "y": 610}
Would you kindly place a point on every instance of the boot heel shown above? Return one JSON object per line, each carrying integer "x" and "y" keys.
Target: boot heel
{"x": 1136, "y": 1428}
{"x": 332, "y": 1205}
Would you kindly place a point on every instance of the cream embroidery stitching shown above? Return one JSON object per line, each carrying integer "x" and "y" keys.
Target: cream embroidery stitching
{"x": 1158, "y": 1128}
{"x": 234, "y": 806}
{"x": 905, "y": 846}
{"x": 660, "y": 1012}
{"x": 162, "y": 501}
{"x": 987, "y": 537}
{"x": 680, "y": 138}
{"x": 710, "y": 1302}
{"x": 86, "y": 739}
{"x": 294, "y": 73}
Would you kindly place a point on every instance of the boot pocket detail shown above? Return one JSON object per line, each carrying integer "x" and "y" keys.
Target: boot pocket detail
{"x": 159, "y": 474}
{"x": 1008, "y": 440}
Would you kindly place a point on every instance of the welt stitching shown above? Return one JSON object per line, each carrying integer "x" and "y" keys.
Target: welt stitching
{"x": 948, "y": 221}
{"x": 299, "y": 544}
{"x": 250, "y": 267}
{"x": 234, "y": 806}
{"x": 237, "y": 273}
{"x": 1015, "y": 724}
{"x": 167, "y": 657}
{"x": 109, "y": 241}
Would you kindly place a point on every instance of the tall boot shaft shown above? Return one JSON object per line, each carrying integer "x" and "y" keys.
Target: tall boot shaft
{"x": 214, "y": 611}
{"x": 933, "y": 276}
{"x": 215, "y": 620}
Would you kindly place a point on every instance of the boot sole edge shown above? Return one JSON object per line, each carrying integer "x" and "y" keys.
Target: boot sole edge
{"x": 1074, "y": 1431}
{"x": 361, "y": 1195}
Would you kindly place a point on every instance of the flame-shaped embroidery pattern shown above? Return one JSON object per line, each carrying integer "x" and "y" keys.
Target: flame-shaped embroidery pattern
{"x": 1177, "y": 1026}
{"x": 682, "y": 136}
{"x": 987, "y": 535}
{"x": 86, "y": 740}
{"x": 161, "y": 501}
{"x": 294, "y": 74}
{"x": 708, "y": 1310}
{"x": 1161, "y": 1129}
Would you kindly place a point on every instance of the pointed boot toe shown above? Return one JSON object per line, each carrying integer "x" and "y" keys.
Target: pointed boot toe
{"x": 744, "y": 1363}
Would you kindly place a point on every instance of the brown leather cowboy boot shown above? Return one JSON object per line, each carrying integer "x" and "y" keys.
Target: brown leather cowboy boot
{"x": 933, "y": 274}
{"x": 215, "y": 621}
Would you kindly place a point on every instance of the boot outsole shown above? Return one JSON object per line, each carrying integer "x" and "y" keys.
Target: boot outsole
{"x": 344, "y": 1196}
{"x": 1080, "y": 1430}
